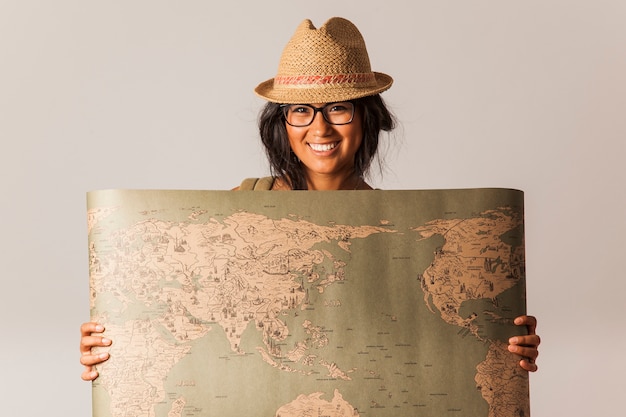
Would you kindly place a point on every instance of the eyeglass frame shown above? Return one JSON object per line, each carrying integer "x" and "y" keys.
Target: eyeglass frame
{"x": 286, "y": 106}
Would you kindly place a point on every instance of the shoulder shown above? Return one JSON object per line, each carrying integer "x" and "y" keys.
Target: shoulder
{"x": 257, "y": 184}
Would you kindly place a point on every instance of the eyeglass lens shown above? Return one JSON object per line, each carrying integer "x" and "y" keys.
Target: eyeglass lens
{"x": 299, "y": 115}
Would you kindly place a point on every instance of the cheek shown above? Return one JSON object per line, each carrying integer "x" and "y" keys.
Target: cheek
{"x": 291, "y": 133}
{"x": 295, "y": 137}
{"x": 355, "y": 137}
{"x": 356, "y": 129}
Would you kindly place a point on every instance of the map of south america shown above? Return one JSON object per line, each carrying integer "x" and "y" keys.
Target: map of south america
{"x": 301, "y": 313}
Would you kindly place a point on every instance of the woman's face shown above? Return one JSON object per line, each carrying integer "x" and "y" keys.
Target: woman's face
{"x": 326, "y": 149}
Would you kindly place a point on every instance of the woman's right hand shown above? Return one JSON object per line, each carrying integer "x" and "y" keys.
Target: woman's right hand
{"x": 88, "y": 341}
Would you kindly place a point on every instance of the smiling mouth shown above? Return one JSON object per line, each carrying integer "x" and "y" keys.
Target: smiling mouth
{"x": 323, "y": 147}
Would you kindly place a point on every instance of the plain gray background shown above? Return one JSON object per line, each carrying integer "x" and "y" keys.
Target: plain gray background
{"x": 158, "y": 94}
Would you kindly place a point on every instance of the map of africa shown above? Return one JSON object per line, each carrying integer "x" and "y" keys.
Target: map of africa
{"x": 343, "y": 303}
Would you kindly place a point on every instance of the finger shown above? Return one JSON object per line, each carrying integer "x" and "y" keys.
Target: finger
{"x": 89, "y": 374}
{"x": 529, "y": 321}
{"x": 87, "y": 329}
{"x": 88, "y": 342}
{"x": 525, "y": 352}
{"x": 532, "y": 340}
{"x": 528, "y": 365}
{"x": 90, "y": 360}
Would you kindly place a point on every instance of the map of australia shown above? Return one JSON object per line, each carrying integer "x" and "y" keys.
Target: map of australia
{"x": 307, "y": 304}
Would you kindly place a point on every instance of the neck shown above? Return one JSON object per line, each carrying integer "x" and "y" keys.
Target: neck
{"x": 327, "y": 182}
{"x": 334, "y": 182}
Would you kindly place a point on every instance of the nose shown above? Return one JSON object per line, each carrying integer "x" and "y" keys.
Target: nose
{"x": 319, "y": 125}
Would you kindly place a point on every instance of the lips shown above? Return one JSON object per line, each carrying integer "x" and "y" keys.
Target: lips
{"x": 323, "y": 147}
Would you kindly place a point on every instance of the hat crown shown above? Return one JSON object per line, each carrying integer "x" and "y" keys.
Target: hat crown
{"x": 337, "y": 47}
{"x": 324, "y": 65}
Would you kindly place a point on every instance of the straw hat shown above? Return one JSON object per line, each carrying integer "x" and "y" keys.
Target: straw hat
{"x": 324, "y": 65}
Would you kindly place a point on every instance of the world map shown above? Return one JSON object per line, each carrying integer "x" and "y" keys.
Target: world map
{"x": 383, "y": 303}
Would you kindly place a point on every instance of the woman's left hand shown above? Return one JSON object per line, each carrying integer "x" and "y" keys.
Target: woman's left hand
{"x": 526, "y": 346}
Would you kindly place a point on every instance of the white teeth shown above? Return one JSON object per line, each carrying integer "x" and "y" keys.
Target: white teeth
{"x": 321, "y": 147}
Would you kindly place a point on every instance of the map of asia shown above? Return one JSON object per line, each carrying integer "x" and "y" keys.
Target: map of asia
{"x": 308, "y": 304}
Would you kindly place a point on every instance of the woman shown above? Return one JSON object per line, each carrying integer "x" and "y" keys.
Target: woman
{"x": 320, "y": 129}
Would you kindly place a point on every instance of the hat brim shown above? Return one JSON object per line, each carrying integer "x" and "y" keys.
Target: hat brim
{"x": 328, "y": 93}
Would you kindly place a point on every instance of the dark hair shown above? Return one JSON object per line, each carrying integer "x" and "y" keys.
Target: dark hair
{"x": 285, "y": 165}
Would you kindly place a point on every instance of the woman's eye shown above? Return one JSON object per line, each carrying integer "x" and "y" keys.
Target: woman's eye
{"x": 300, "y": 109}
{"x": 339, "y": 107}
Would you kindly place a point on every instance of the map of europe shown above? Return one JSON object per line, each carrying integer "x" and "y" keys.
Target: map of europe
{"x": 344, "y": 303}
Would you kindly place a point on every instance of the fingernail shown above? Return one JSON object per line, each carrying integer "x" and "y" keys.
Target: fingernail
{"x": 106, "y": 341}
{"x": 103, "y": 355}
{"x": 512, "y": 348}
{"x": 513, "y": 340}
{"x": 518, "y": 320}
{"x": 99, "y": 328}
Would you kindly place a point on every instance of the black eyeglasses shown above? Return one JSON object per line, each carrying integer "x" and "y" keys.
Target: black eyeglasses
{"x": 300, "y": 115}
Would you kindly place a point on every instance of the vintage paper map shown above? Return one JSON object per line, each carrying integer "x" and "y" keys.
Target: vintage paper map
{"x": 336, "y": 303}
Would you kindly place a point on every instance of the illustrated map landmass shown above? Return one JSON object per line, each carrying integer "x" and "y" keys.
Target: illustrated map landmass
{"x": 258, "y": 311}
